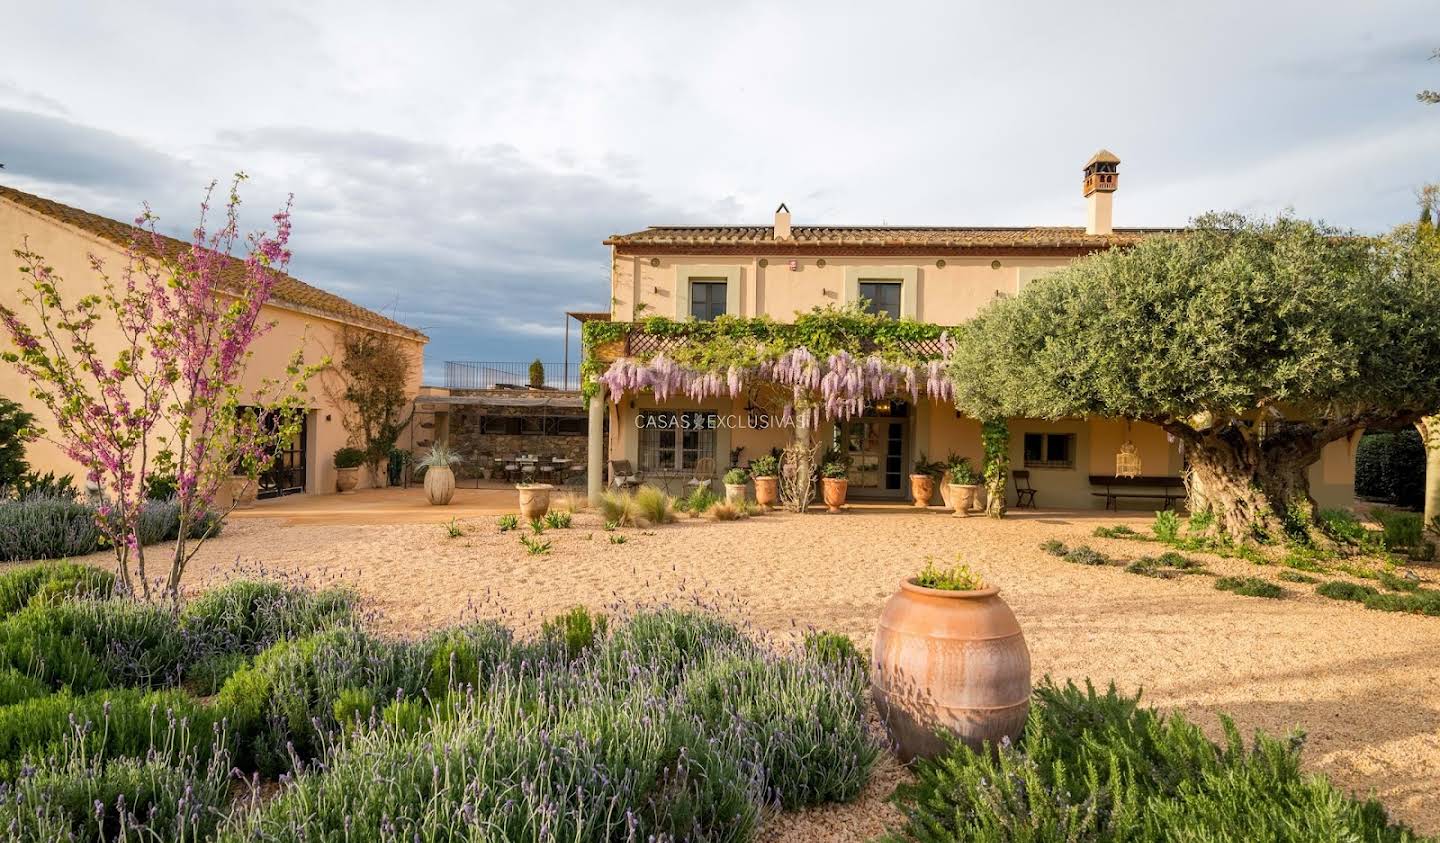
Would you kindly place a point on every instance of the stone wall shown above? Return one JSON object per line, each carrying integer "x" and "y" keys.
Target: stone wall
{"x": 468, "y": 434}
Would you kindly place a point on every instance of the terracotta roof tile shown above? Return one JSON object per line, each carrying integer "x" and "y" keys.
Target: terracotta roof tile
{"x": 288, "y": 290}
{"x": 844, "y": 236}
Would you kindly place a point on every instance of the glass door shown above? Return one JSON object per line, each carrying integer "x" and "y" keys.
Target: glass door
{"x": 285, "y": 475}
{"x": 876, "y": 448}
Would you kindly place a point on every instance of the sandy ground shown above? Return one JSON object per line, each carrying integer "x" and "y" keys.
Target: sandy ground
{"x": 1364, "y": 685}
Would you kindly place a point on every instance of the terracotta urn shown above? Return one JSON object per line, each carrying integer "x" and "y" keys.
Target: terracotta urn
{"x": 767, "y": 490}
{"x": 439, "y": 484}
{"x": 949, "y": 660}
{"x": 922, "y": 486}
{"x": 346, "y": 479}
{"x": 834, "y": 489}
{"x": 962, "y": 498}
{"x": 534, "y": 500}
{"x": 242, "y": 491}
{"x": 947, "y": 495}
{"x": 735, "y": 494}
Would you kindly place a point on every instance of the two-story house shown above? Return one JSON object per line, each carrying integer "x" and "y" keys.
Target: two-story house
{"x": 941, "y": 275}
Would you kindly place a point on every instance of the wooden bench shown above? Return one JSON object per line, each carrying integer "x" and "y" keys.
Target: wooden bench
{"x": 1167, "y": 490}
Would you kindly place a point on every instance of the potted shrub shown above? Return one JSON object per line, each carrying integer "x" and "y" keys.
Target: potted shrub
{"x": 395, "y": 464}
{"x": 735, "y": 486}
{"x": 922, "y": 481}
{"x": 439, "y": 476}
{"x": 964, "y": 485}
{"x": 765, "y": 471}
{"x": 949, "y": 655}
{"x": 347, "y": 469}
{"x": 834, "y": 483}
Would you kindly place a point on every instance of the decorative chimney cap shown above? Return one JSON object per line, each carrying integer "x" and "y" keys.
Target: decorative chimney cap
{"x": 787, "y": 210}
{"x": 1104, "y": 156}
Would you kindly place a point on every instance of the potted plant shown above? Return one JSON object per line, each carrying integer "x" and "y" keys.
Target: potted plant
{"x": 735, "y": 486}
{"x": 439, "y": 476}
{"x": 395, "y": 464}
{"x": 347, "y": 469}
{"x": 964, "y": 485}
{"x": 834, "y": 483}
{"x": 765, "y": 471}
{"x": 922, "y": 480}
{"x": 949, "y": 655}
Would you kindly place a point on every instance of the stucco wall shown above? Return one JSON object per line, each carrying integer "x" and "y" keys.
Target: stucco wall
{"x": 66, "y": 249}
{"x": 944, "y": 295}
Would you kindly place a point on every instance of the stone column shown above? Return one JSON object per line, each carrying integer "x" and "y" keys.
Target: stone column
{"x": 595, "y": 465}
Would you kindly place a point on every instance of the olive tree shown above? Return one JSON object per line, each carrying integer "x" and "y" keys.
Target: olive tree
{"x": 1254, "y": 344}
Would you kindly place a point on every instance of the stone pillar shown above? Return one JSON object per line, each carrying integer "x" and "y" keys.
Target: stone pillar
{"x": 595, "y": 465}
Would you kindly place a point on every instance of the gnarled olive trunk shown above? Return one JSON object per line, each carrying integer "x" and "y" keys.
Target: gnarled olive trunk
{"x": 1256, "y": 487}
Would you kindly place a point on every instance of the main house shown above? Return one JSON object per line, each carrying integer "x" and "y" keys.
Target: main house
{"x": 303, "y": 316}
{"x": 939, "y": 275}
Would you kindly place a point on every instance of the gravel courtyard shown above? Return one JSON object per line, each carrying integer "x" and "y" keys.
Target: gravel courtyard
{"x": 1364, "y": 685}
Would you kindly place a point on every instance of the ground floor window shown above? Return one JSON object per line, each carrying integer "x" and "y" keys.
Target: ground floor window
{"x": 1049, "y": 450}
{"x": 676, "y": 441}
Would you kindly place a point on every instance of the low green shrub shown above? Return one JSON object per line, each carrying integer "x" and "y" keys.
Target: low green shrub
{"x": 1402, "y": 530}
{"x": 1395, "y": 582}
{"x": 113, "y": 722}
{"x": 1343, "y": 525}
{"x": 653, "y": 506}
{"x": 958, "y": 578}
{"x": 46, "y": 528}
{"x": 1167, "y": 565}
{"x": 246, "y": 616}
{"x": 17, "y": 687}
{"x": 1300, "y": 559}
{"x": 284, "y": 705}
{"x": 698, "y": 502}
{"x": 666, "y": 642}
{"x": 558, "y": 520}
{"x": 1250, "y": 587}
{"x": 52, "y": 581}
{"x": 1420, "y": 602}
{"x": 160, "y": 793}
{"x": 1342, "y": 590}
{"x": 1054, "y": 547}
{"x": 1296, "y": 576}
{"x": 506, "y": 523}
{"x": 1098, "y": 767}
{"x": 87, "y": 644}
{"x": 575, "y": 632}
{"x": 1086, "y": 555}
{"x": 834, "y": 648}
{"x": 465, "y": 657}
{"x": 1166, "y": 526}
{"x": 809, "y": 736}
{"x": 1119, "y": 531}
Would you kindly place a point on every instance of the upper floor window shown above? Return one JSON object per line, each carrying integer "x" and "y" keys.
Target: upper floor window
{"x": 707, "y": 299}
{"x": 881, "y": 297}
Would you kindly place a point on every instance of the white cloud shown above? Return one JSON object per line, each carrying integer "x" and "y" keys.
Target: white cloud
{"x": 457, "y": 164}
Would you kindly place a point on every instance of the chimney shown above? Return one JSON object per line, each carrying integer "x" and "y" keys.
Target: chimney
{"x": 782, "y": 222}
{"x": 1102, "y": 177}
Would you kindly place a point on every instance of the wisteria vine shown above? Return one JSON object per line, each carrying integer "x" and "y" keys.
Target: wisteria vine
{"x": 836, "y": 386}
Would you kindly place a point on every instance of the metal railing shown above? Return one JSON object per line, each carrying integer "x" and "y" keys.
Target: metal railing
{"x": 469, "y": 374}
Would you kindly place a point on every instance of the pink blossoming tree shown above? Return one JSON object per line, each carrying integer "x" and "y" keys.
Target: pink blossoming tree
{"x": 166, "y": 398}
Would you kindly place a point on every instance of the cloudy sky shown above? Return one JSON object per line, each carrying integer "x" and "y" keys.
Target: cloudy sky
{"x": 456, "y": 165}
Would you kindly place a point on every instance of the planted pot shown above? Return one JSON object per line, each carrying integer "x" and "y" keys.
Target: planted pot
{"x": 534, "y": 500}
{"x": 439, "y": 484}
{"x": 834, "y": 489}
{"x": 962, "y": 497}
{"x": 735, "y": 494}
{"x": 346, "y": 479}
{"x": 767, "y": 490}
{"x": 242, "y": 491}
{"x": 952, "y": 661}
{"x": 922, "y": 487}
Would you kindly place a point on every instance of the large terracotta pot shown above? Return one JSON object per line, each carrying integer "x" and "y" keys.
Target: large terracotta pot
{"x": 735, "y": 494}
{"x": 242, "y": 491}
{"x": 953, "y": 661}
{"x": 767, "y": 490}
{"x": 346, "y": 479}
{"x": 922, "y": 486}
{"x": 835, "y": 489}
{"x": 439, "y": 484}
{"x": 534, "y": 500}
{"x": 962, "y": 498}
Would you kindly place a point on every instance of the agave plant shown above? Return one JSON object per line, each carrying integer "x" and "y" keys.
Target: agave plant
{"x": 440, "y": 456}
